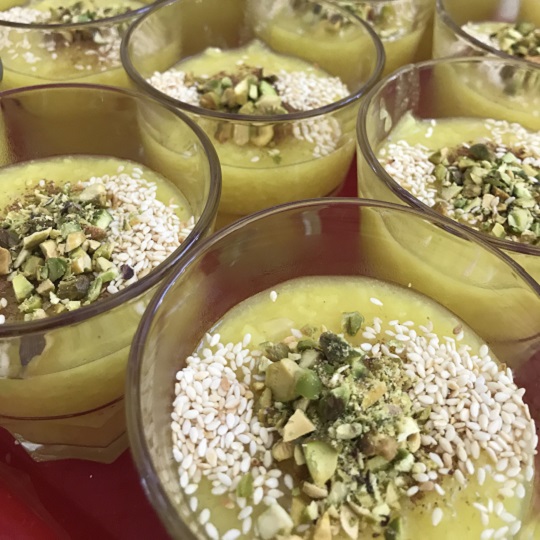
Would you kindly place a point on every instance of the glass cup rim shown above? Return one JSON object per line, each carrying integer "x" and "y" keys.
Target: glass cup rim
{"x": 202, "y": 225}
{"x": 149, "y": 477}
{"x": 115, "y": 19}
{"x": 449, "y": 21}
{"x": 143, "y": 85}
{"x": 376, "y": 167}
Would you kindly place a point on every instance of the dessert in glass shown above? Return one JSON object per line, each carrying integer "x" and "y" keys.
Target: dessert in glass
{"x": 496, "y": 27}
{"x": 275, "y": 85}
{"x": 91, "y": 220}
{"x": 75, "y": 41}
{"x": 459, "y": 137}
{"x": 404, "y": 26}
{"x": 327, "y": 391}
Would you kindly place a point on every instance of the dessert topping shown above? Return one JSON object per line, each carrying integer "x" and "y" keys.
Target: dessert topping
{"x": 317, "y": 438}
{"x": 496, "y": 186}
{"x": 520, "y": 39}
{"x": 63, "y": 248}
{"x": 80, "y": 13}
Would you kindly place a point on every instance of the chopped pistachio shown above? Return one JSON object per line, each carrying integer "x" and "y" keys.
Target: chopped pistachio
{"x": 245, "y": 486}
{"x": 496, "y": 193}
{"x": 308, "y": 385}
{"x": 74, "y": 288}
{"x": 57, "y": 267}
{"x": 49, "y": 248}
{"x": 21, "y": 287}
{"x": 313, "y": 491}
{"x": 321, "y": 460}
{"x": 281, "y": 378}
{"x": 273, "y": 521}
{"x": 45, "y": 287}
{"x": 351, "y": 322}
{"x": 30, "y": 304}
{"x": 282, "y": 451}
{"x": 297, "y": 426}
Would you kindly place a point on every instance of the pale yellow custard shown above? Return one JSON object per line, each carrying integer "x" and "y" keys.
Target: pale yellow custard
{"x": 65, "y": 386}
{"x": 300, "y": 159}
{"x": 243, "y": 481}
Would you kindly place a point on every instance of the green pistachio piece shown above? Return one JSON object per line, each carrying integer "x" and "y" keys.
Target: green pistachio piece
{"x": 359, "y": 370}
{"x": 21, "y": 287}
{"x": 33, "y": 240}
{"x": 49, "y": 248}
{"x": 74, "y": 240}
{"x": 45, "y": 287}
{"x": 308, "y": 385}
{"x": 480, "y": 152}
{"x": 80, "y": 261}
{"x": 75, "y": 288}
{"x": 8, "y": 238}
{"x": 69, "y": 227}
{"x": 351, "y": 322}
{"x": 110, "y": 275}
{"x": 306, "y": 344}
{"x": 56, "y": 267}
{"x": 102, "y": 219}
{"x": 105, "y": 250}
{"x": 498, "y": 230}
{"x": 94, "y": 291}
{"x": 245, "y": 486}
{"x": 30, "y": 304}
{"x": 31, "y": 266}
{"x": 276, "y": 351}
{"x": 335, "y": 348}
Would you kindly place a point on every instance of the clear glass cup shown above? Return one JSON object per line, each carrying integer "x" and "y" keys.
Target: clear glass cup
{"x": 87, "y": 52}
{"x": 178, "y": 30}
{"x": 62, "y": 378}
{"x": 450, "y": 39}
{"x": 404, "y": 26}
{"x": 447, "y": 88}
{"x": 324, "y": 237}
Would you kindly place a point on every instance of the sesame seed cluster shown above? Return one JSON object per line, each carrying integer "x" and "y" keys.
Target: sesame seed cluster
{"x": 299, "y": 90}
{"x": 217, "y": 435}
{"x": 478, "y": 428}
{"x": 15, "y": 43}
{"x": 144, "y": 230}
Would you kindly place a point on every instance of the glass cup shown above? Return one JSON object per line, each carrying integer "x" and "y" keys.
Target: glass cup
{"x": 297, "y": 166}
{"x": 404, "y": 26}
{"x": 325, "y": 237}
{"x": 87, "y": 52}
{"x": 449, "y": 88}
{"x": 451, "y": 39}
{"x": 62, "y": 378}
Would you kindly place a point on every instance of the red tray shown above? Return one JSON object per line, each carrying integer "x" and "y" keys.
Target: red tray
{"x": 79, "y": 500}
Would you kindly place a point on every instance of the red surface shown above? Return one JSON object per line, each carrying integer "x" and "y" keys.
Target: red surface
{"x": 78, "y": 500}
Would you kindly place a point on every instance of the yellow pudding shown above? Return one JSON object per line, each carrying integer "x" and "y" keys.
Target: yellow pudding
{"x": 409, "y": 157}
{"x": 64, "y": 386}
{"x": 37, "y": 54}
{"x": 266, "y": 163}
{"x": 279, "y": 429}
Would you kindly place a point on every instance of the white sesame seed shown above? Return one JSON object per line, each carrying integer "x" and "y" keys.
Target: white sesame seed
{"x": 204, "y": 516}
{"x": 273, "y": 296}
{"x": 436, "y": 516}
